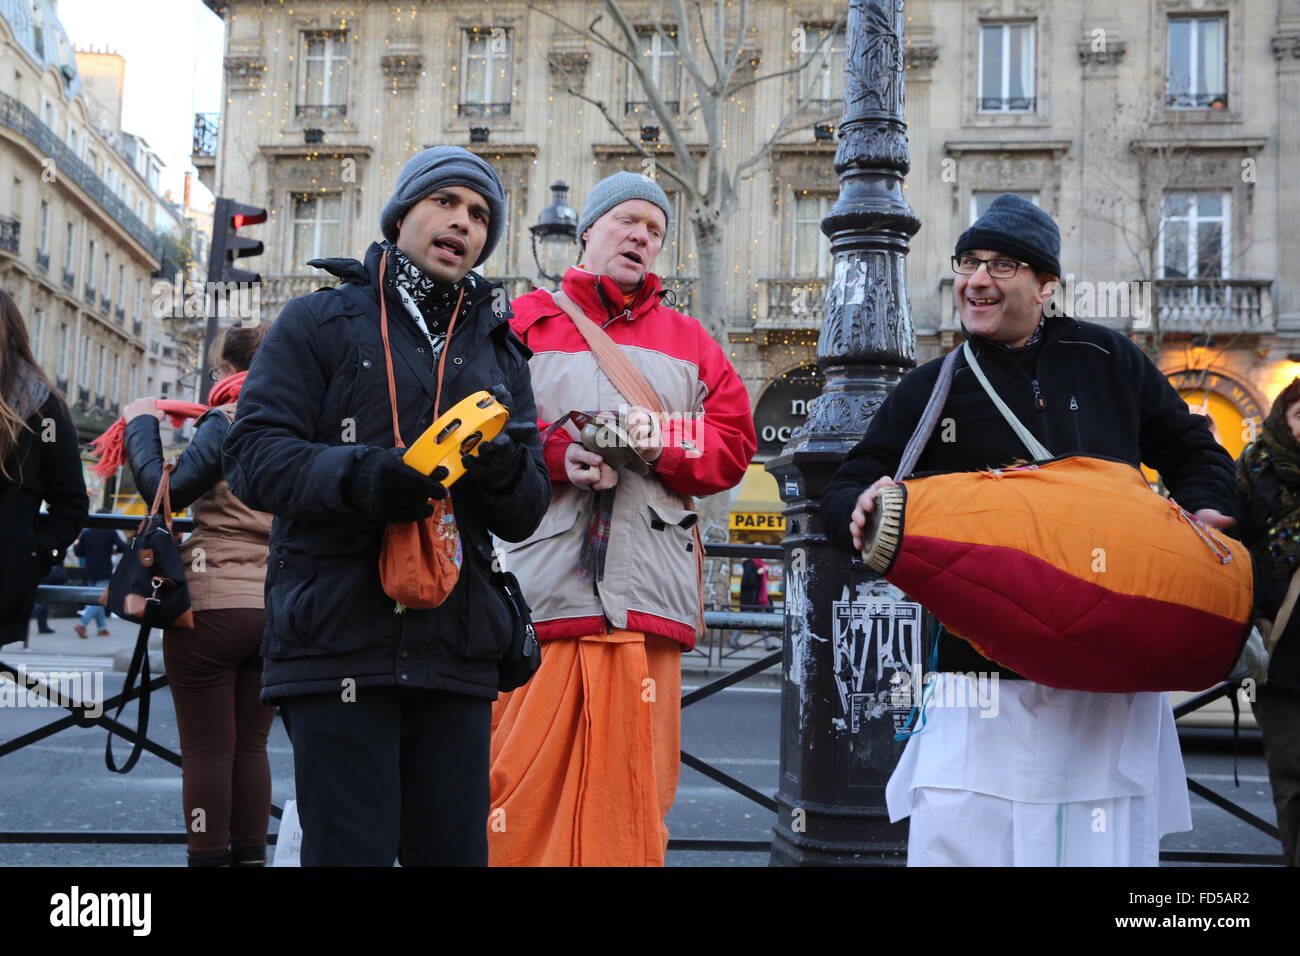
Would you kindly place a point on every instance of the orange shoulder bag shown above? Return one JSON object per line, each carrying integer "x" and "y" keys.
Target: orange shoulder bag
{"x": 419, "y": 563}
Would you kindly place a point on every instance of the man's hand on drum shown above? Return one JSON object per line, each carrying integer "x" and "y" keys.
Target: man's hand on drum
{"x": 1215, "y": 519}
{"x": 866, "y": 501}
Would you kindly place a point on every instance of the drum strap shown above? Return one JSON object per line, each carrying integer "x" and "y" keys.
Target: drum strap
{"x": 1036, "y": 448}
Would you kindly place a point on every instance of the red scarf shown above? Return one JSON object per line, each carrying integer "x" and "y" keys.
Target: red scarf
{"x": 110, "y": 447}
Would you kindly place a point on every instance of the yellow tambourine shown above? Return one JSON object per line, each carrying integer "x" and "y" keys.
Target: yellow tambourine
{"x": 459, "y": 431}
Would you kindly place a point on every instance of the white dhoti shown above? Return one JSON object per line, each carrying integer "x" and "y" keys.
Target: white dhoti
{"x": 1035, "y": 776}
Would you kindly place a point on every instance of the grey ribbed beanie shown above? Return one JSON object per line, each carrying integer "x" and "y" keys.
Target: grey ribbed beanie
{"x": 621, "y": 187}
{"x": 440, "y": 166}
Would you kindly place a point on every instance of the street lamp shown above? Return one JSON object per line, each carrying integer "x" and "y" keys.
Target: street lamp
{"x": 556, "y": 229}
{"x": 849, "y": 633}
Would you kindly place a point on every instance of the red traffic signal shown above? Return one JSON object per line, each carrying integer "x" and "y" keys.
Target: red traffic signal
{"x": 228, "y": 246}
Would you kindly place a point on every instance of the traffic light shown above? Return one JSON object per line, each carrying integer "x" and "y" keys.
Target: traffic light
{"x": 228, "y": 246}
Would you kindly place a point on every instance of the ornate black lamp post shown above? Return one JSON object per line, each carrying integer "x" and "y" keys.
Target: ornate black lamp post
{"x": 852, "y": 640}
{"x": 556, "y": 231}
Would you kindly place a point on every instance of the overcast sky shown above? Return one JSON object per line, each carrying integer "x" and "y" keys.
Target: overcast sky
{"x": 173, "y": 51}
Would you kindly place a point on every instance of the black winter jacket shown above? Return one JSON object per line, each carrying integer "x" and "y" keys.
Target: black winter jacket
{"x": 32, "y": 543}
{"x": 197, "y": 470}
{"x": 315, "y": 403}
{"x": 1094, "y": 392}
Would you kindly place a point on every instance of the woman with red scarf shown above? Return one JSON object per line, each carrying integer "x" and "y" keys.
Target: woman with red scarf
{"x": 215, "y": 670}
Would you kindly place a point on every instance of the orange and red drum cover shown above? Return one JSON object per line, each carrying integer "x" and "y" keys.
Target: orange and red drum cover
{"x": 1073, "y": 573}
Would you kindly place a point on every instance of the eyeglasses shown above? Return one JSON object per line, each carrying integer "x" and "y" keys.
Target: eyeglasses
{"x": 997, "y": 268}
{"x": 215, "y": 375}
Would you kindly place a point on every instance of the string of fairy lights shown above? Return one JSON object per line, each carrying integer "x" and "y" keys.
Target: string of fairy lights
{"x": 401, "y": 120}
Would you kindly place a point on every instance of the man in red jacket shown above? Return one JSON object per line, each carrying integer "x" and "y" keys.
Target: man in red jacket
{"x": 585, "y": 756}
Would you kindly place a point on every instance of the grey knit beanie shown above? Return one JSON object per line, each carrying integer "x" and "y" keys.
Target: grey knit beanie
{"x": 439, "y": 166}
{"x": 1014, "y": 225}
{"x": 621, "y": 187}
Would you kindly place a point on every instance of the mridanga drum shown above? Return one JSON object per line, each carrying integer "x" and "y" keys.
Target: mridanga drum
{"x": 1071, "y": 572}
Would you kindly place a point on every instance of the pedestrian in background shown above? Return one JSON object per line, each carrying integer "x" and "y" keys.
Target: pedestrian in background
{"x": 40, "y": 462}
{"x": 96, "y": 547}
{"x": 215, "y": 669}
{"x": 1268, "y": 472}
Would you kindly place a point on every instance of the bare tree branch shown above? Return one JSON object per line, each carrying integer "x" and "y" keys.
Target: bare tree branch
{"x": 798, "y": 68}
{"x": 704, "y": 37}
{"x": 614, "y": 125}
{"x": 668, "y": 121}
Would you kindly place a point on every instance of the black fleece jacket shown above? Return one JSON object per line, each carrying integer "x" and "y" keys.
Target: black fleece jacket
{"x": 1088, "y": 390}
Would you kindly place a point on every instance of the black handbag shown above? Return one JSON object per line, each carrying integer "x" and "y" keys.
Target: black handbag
{"x": 148, "y": 587}
{"x": 524, "y": 653}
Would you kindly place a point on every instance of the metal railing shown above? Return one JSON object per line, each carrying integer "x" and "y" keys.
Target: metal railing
{"x": 487, "y": 110}
{"x": 321, "y": 110}
{"x": 207, "y": 126}
{"x": 23, "y": 121}
{"x": 1006, "y": 104}
{"x": 1196, "y": 101}
{"x": 10, "y": 234}
{"x": 82, "y": 716}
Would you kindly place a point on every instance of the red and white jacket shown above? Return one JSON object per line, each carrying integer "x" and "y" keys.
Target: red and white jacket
{"x": 651, "y": 580}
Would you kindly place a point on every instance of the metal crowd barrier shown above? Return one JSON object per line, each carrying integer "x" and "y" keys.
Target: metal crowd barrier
{"x": 714, "y": 620}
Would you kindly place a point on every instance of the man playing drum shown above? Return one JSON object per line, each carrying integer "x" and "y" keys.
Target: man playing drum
{"x": 1048, "y": 777}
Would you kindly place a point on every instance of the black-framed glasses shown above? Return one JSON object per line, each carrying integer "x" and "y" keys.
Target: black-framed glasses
{"x": 968, "y": 265}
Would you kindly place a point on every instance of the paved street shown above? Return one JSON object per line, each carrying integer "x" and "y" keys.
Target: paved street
{"x": 61, "y": 783}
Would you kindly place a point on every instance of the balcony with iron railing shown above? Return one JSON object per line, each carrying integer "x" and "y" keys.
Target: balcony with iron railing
{"x": 69, "y": 279}
{"x": 1007, "y": 104}
{"x": 17, "y": 117}
{"x": 105, "y": 304}
{"x": 120, "y": 312}
{"x": 43, "y": 261}
{"x": 136, "y": 328}
{"x": 90, "y": 293}
{"x": 321, "y": 110}
{"x": 1196, "y": 101}
{"x": 789, "y": 304}
{"x": 10, "y": 233}
{"x": 483, "y": 110}
{"x": 206, "y": 128}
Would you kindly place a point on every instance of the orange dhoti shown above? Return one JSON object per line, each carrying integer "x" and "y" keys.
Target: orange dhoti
{"x": 585, "y": 756}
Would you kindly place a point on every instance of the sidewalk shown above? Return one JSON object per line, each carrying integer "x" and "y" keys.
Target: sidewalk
{"x": 111, "y": 653}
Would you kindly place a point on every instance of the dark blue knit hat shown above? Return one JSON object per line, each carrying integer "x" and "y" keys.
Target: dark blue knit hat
{"x": 435, "y": 168}
{"x": 1014, "y": 225}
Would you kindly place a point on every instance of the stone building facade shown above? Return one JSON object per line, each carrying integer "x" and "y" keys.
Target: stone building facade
{"x": 1158, "y": 133}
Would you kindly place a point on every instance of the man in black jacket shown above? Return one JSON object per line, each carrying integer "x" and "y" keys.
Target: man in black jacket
{"x": 1022, "y": 786}
{"x": 389, "y": 709}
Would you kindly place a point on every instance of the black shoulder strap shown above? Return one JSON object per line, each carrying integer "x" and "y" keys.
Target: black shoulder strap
{"x": 137, "y": 670}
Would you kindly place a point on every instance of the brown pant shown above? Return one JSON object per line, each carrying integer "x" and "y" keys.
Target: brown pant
{"x": 215, "y": 673}
{"x": 1277, "y": 710}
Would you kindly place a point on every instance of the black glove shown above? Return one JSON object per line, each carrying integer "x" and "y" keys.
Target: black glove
{"x": 502, "y": 395}
{"x": 383, "y": 487}
{"x": 497, "y": 463}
